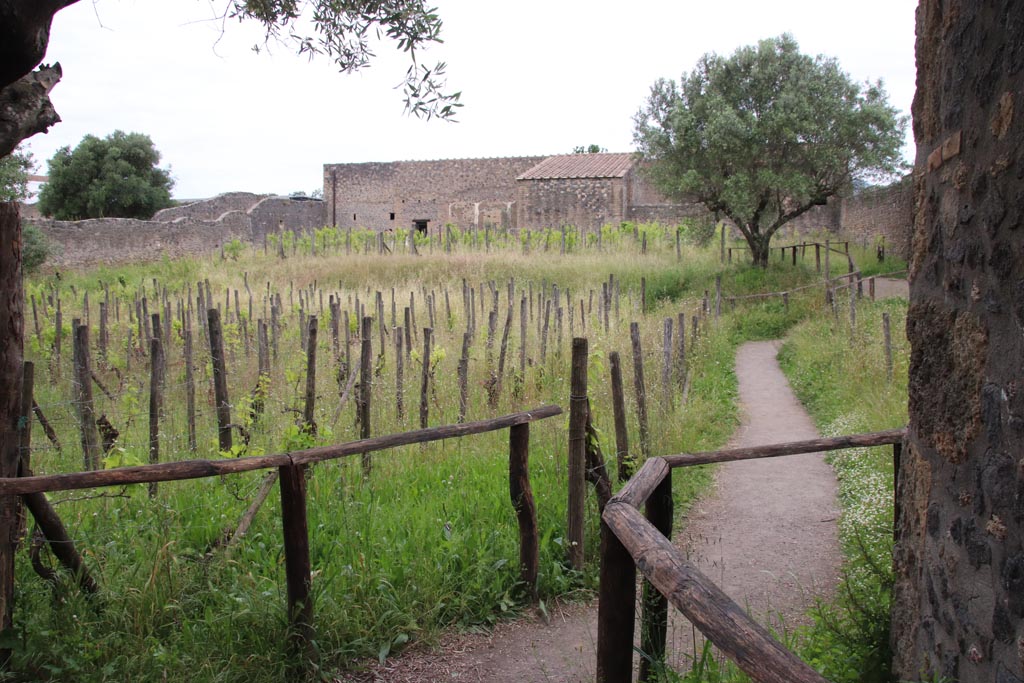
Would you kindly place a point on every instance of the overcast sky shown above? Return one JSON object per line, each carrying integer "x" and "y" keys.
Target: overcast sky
{"x": 537, "y": 77}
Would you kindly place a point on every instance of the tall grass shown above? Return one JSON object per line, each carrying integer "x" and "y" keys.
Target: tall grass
{"x": 428, "y": 542}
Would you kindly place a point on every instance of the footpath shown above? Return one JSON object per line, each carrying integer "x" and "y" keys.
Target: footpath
{"x": 766, "y": 533}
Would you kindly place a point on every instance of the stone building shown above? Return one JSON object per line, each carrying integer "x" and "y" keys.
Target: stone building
{"x": 515, "y": 192}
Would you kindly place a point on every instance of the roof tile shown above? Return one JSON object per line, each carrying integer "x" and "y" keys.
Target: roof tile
{"x": 581, "y": 166}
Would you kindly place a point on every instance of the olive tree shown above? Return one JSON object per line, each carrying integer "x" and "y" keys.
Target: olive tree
{"x": 765, "y": 135}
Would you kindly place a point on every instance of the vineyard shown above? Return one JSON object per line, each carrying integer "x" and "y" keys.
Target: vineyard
{"x": 321, "y": 339}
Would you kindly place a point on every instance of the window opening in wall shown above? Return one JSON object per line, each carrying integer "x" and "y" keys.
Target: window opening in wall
{"x": 392, "y": 215}
{"x": 353, "y": 217}
{"x": 421, "y": 226}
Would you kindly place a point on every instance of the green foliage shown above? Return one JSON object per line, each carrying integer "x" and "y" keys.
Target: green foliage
{"x": 35, "y": 248}
{"x": 234, "y": 249}
{"x": 14, "y": 170}
{"x": 847, "y": 391}
{"x": 588, "y": 149}
{"x": 113, "y": 177}
{"x": 766, "y": 134}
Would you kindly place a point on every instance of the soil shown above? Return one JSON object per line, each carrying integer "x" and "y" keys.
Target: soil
{"x": 766, "y": 534}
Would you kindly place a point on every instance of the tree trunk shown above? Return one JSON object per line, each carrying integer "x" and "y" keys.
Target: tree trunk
{"x": 958, "y": 604}
{"x": 760, "y": 247}
{"x": 12, "y": 332}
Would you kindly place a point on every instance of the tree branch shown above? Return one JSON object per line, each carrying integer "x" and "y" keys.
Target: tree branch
{"x": 25, "y": 107}
{"x": 24, "y": 35}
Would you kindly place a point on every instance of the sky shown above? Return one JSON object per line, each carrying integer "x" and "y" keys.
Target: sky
{"x": 537, "y": 77}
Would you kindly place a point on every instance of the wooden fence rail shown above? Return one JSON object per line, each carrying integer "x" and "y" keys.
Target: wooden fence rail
{"x": 292, "y": 481}
{"x": 631, "y": 541}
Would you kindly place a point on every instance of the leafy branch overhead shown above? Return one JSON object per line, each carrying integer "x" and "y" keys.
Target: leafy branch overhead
{"x": 765, "y": 135}
{"x": 343, "y": 30}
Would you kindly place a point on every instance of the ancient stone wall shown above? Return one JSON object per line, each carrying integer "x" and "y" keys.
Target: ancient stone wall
{"x": 273, "y": 214}
{"x": 122, "y": 240}
{"x": 583, "y": 202}
{"x": 883, "y": 212}
{"x": 210, "y": 209}
{"x": 958, "y": 606}
{"x": 383, "y": 196}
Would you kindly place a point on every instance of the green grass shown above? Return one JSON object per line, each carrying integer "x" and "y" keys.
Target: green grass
{"x": 429, "y": 543}
{"x": 846, "y": 390}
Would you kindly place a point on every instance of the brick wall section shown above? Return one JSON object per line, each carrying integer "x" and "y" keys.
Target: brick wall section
{"x": 211, "y": 209}
{"x": 273, "y": 214}
{"x": 368, "y": 194}
{"x": 122, "y": 240}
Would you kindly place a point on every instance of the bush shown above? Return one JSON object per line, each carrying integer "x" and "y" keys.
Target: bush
{"x": 35, "y": 248}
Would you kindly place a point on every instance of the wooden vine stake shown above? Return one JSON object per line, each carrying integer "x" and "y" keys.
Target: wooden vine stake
{"x": 86, "y": 410}
{"x": 577, "y": 451}
{"x": 887, "y": 335}
{"x": 641, "y": 391}
{"x": 220, "y": 381}
{"x": 365, "y": 383}
{"x": 155, "y": 402}
{"x": 425, "y": 380}
{"x": 619, "y": 411}
{"x": 309, "y": 407}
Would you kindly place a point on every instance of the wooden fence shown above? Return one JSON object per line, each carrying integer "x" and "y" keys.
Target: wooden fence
{"x": 292, "y": 481}
{"x": 632, "y": 540}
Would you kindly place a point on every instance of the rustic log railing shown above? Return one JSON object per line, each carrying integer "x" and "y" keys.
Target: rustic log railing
{"x": 630, "y": 541}
{"x": 292, "y": 482}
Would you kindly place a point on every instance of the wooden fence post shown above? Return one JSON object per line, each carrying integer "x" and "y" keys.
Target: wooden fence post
{"x": 619, "y": 411}
{"x": 292, "y": 480}
{"x": 522, "y": 502}
{"x": 220, "y": 381}
{"x": 399, "y": 375}
{"x": 616, "y": 616}
{"x": 654, "y": 625}
{"x": 641, "y": 391}
{"x": 577, "y": 451}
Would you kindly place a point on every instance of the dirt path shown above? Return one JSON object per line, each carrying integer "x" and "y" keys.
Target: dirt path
{"x": 766, "y": 534}
{"x": 887, "y": 286}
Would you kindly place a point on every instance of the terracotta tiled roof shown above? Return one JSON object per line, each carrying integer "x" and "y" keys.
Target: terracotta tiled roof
{"x": 581, "y": 166}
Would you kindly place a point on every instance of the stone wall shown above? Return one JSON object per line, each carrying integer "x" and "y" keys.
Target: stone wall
{"x": 388, "y": 195}
{"x": 958, "y": 604}
{"x": 883, "y": 212}
{"x": 210, "y": 209}
{"x": 583, "y": 202}
{"x": 121, "y": 240}
{"x": 273, "y": 214}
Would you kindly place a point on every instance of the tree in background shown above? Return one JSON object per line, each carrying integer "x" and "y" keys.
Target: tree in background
{"x": 765, "y": 135}
{"x": 14, "y": 170}
{"x": 113, "y": 177}
{"x": 589, "y": 149}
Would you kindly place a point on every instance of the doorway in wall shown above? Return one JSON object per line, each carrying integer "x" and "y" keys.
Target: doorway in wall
{"x": 420, "y": 226}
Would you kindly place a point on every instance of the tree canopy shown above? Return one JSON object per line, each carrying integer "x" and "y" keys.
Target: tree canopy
{"x": 116, "y": 176}
{"x": 14, "y": 170}
{"x": 763, "y": 136}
